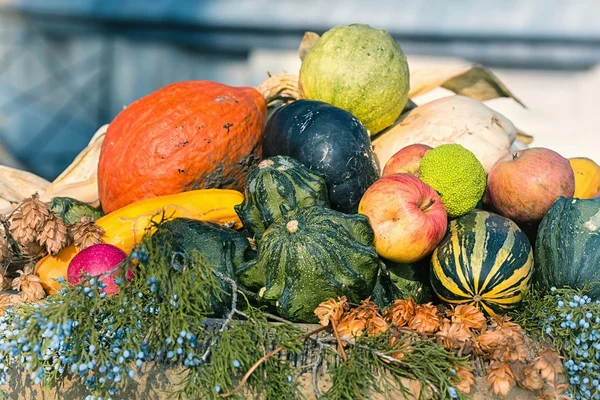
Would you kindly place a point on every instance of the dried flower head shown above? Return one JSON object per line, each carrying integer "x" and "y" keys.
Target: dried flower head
{"x": 467, "y": 380}
{"x": 549, "y": 364}
{"x": 86, "y": 233}
{"x": 28, "y": 219}
{"x": 426, "y": 319}
{"x": 331, "y": 310}
{"x": 468, "y": 315}
{"x": 350, "y": 326}
{"x": 30, "y": 287}
{"x": 452, "y": 335}
{"x": 54, "y": 234}
{"x": 500, "y": 378}
{"x": 401, "y": 311}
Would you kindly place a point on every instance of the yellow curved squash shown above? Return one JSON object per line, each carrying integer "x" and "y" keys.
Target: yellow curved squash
{"x": 126, "y": 226}
{"x": 587, "y": 177}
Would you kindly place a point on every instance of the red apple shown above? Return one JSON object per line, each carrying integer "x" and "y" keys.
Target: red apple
{"x": 407, "y": 216}
{"x": 101, "y": 261}
{"x": 524, "y": 184}
{"x": 406, "y": 160}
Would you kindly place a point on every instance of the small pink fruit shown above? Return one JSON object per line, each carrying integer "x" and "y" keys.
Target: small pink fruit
{"x": 99, "y": 261}
{"x": 407, "y": 160}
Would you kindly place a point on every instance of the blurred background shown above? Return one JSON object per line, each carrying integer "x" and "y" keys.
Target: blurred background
{"x": 69, "y": 66}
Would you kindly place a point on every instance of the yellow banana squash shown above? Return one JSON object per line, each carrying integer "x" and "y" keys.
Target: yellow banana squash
{"x": 126, "y": 226}
{"x": 587, "y": 177}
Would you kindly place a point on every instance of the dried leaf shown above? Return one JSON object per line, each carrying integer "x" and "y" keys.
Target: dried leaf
{"x": 468, "y": 315}
{"x": 86, "y": 233}
{"x": 500, "y": 378}
{"x": 331, "y": 310}
{"x": 308, "y": 41}
{"x": 401, "y": 311}
{"x": 426, "y": 319}
{"x": 16, "y": 185}
{"x": 54, "y": 235}
{"x": 475, "y": 81}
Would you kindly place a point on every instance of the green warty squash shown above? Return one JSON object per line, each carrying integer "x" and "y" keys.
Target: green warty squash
{"x": 313, "y": 254}
{"x": 275, "y": 186}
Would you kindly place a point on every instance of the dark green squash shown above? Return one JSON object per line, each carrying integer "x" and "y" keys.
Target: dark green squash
{"x": 72, "y": 210}
{"x": 485, "y": 260}
{"x": 223, "y": 249}
{"x": 567, "y": 249}
{"x": 275, "y": 186}
{"x": 313, "y": 254}
{"x": 329, "y": 141}
{"x": 400, "y": 281}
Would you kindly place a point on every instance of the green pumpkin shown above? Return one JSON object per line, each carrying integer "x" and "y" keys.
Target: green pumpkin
{"x": 223, "y": 249}
{"x": 360, "y": 69}
{"x": 400, "y": 281}
{"x": 313, "y": 254}
{"x": 485, "y": 260}
{"x": 275, "y": 186}
{"x": 72, "y": 210}
{"x": 567, "y": 249}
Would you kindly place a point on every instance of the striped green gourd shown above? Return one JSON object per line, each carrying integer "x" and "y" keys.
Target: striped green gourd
{"x": 484, "y": 260}
{"x": 313, "y": 254}
{"x": 567, "y": 248}
{"x": 275, "y": 186}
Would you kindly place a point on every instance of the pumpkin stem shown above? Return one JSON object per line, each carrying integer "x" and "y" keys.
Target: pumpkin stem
{"x": 265, "y": 163}
{"x": 279, "y": 87}
{"x": 292, "y": 226}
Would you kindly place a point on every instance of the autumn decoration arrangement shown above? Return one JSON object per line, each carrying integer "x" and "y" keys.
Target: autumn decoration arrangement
{"x": 323, "y": 235}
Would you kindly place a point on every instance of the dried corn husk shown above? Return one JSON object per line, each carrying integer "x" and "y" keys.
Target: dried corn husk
{"x": 78, "y": 180}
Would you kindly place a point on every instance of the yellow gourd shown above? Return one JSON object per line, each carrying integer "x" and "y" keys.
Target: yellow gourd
{"x": 587, "y": 177}
{"x": 126, "y": 226}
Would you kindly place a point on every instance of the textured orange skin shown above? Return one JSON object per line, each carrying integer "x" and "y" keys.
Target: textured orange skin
{"x": 187, "y": 135}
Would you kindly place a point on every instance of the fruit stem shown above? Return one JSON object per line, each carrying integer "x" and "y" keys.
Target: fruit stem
{"x": 431, "y": 201}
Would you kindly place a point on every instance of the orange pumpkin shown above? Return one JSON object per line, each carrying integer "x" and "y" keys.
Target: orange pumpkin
{"x": 187, "y": 135}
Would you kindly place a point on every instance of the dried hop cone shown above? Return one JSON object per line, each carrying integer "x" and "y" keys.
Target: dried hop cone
{"x": 30, "y": 287}
{"x": 28, "y": 219}
{"x": 549, "y": 364}
{"x": 426, "y": 319}
{"x": 86, "y": 233}
{"x": 532, "y": 380}
{"x": 331, "y": 310}
{"x": 4, "y": 247}
{"x": 501, "y": 378}
{"x": 401, "y": 311}
{"x": 452, "y": 335}
{"x": 7, "y": 300}
{"x": 351, "y": 327}
{"x": 467, "y": 380}
{"x": 468, "y": 315}
{"x": 54, "y": 234}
